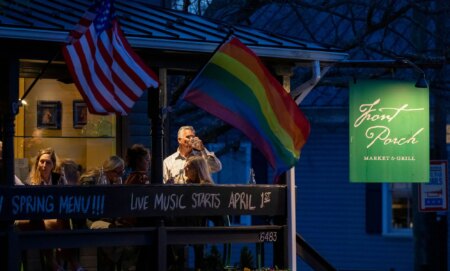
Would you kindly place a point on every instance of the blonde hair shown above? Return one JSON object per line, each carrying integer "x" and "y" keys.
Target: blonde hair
{"x": 35, "y": 177}
{"x": 112, "y": 163}
{"x": 199, "y": 164}
{"x": 91, "y": 176}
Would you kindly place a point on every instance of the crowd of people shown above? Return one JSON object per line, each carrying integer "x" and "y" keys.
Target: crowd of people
{"x": 191, "y": 163}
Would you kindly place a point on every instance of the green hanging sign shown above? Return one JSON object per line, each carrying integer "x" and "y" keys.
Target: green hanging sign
{"x": 389, "y": 132}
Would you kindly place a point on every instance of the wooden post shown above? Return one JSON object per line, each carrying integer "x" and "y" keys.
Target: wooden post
{"x": 162, "y": 248}
{"x": 430, "y": 229}
{"x": 154, "y": 111}
{"x": 9, "y": 88}
{"x": 286, "y": 73}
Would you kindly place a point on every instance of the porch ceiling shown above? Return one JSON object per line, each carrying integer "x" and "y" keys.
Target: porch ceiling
{"x": 151, "y": 27}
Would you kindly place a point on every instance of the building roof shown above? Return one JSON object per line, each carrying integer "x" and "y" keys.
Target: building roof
{"x": 151, "y": 27}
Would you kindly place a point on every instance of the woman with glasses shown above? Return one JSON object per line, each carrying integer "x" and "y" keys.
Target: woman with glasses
{"x": 110, "y": 172}
{"x": 113, "y": 169}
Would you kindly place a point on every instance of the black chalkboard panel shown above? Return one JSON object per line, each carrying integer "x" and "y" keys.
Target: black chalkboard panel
{"x": 32, "y": 202}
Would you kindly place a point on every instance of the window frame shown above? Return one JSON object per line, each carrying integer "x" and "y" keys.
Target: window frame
{"x": 386, "y": 224}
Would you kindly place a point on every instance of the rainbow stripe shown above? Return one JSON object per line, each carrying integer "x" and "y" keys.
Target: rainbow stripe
{"x": 236, "y": 87}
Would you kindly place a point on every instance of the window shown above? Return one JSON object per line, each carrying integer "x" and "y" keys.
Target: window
{"x": 397, "y": 209}
{"x": 448, "y": 133}
{"x": 56, "y": 116}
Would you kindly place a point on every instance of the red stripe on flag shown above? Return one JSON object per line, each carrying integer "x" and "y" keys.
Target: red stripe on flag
{"x": 137, "y": 60}
{"x": 87, "y": 72}
{"x": 123, "y": 87}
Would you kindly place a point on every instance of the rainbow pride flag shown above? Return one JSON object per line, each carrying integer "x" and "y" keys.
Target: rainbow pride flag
{"x": 236, "y": 87}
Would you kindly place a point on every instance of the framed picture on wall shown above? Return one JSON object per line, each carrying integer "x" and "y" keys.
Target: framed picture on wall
{"x": 49, "y": 114}
{"x": 80, "y": 113}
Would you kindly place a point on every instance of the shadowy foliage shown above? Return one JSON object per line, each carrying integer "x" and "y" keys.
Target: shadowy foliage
{"x": 213, "y": 261}
{"x": 246, "y": 259}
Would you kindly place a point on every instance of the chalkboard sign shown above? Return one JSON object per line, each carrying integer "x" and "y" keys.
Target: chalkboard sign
{"x": 33, "y": 202}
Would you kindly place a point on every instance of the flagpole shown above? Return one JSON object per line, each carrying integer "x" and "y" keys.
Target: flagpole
{"x": 19, "y": 103}
{"x": 291, "y": 202}
{"x": 44, "y": 69}
{"x": 292, "y": 225}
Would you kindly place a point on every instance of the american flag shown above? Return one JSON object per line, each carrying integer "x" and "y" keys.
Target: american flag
{"x": 108, "y": 73}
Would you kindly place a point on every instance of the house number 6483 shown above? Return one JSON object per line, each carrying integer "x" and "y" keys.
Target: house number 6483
{"x": 268, "y": 236}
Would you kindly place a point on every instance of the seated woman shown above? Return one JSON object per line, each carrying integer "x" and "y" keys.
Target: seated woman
{"x": 138, "y": 160}
{"x": 111, "y": 172}
{"x": 196, "y": 170}
{"x": 70, "y": 173}
{"x": 43, "y": 171}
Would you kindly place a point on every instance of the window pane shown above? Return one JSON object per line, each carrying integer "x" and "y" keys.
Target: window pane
{"x": 70, "y": 130}
{"x": 401, "y": 206}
